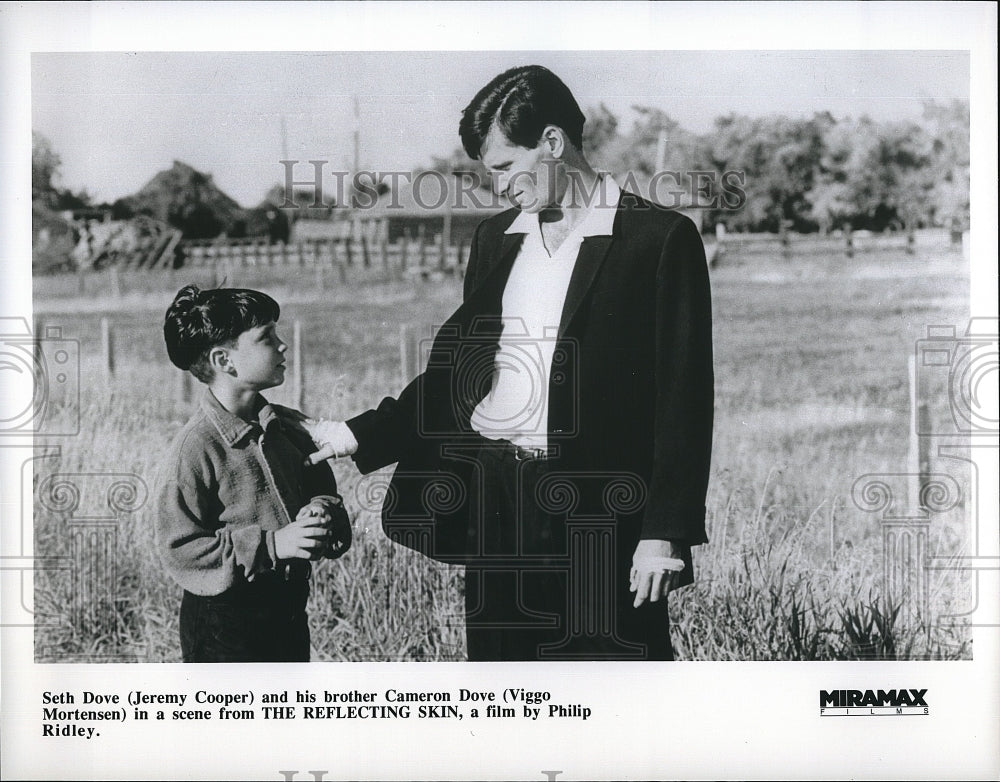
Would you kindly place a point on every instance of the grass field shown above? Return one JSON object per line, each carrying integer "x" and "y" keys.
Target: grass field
{"x": 811, "y": 394}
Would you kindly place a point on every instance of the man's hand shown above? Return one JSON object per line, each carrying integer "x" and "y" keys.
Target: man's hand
{"x": 333, "y": 438}
{"x": 655, "y": 568}
{"x": 304, "y": 538}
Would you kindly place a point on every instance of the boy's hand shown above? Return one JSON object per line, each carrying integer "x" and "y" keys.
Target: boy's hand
{"x": 304, "y": 538}
{"x": 336, "y": 523}
{"x": 334, "y": 439}
{"x": 314, "y": 510}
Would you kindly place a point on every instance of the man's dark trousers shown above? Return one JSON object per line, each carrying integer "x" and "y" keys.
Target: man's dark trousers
{"x": 534, "y": 594}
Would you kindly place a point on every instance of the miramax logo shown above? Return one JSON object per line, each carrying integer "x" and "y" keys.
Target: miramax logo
{"x": 873, "y": 703}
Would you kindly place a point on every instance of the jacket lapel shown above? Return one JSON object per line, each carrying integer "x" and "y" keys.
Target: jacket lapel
{"x": 505, "y": 258}
{"x": 593, "y": 251}
{"x": 485, "y": 298}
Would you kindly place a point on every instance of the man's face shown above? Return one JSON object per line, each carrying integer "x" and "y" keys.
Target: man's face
{"x": 529, "y": 178}
{"x": 259, "y": 357}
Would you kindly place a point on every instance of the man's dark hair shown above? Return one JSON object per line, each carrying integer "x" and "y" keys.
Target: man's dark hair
{"x": 521, "y": 102}
{"x": 198, "y": 321}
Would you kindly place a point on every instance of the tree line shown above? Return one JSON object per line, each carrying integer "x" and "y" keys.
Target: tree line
{"x": 815, "y": 174}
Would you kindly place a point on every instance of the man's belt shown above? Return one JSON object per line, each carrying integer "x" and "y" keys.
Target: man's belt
{"x": 505, "y": 449}
{"x": 521, "y": 454}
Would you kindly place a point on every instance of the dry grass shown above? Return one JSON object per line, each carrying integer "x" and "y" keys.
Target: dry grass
{"x": 811, "y": 394}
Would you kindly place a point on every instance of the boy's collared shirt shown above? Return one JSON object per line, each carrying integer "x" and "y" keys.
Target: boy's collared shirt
{"x": 227, "y": 484}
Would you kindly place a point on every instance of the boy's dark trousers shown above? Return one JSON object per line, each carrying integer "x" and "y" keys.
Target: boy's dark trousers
{"x": 260, "y": 621}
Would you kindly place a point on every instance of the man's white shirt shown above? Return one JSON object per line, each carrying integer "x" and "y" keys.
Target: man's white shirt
{"x": 516, "y": 408}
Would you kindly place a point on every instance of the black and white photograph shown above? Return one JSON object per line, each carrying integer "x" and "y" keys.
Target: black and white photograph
{"x": 523, "y": 388}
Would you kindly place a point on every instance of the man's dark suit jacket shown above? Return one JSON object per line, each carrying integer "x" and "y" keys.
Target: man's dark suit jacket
{"x": 630, "y": 392}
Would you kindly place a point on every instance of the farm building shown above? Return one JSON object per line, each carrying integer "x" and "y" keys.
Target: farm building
{"x": 430, "y": 204}
{"x": 437, "y": 205}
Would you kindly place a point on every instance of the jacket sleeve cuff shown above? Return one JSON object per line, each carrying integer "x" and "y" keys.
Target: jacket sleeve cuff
{"x": 681, "y": 524}
{"x": 272, "y": 553}
{"x": 369, "y": 456}
{"x": 250, "y": 550}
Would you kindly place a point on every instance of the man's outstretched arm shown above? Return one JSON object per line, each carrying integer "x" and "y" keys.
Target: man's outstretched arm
{"x": 378, "y": 437}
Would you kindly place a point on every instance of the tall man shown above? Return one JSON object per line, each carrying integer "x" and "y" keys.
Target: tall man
{"x": 558, "y": 443}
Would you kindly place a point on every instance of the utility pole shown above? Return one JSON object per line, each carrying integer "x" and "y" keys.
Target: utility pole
{"x": 357, "y": 135}
{"x": 661, "y": 150}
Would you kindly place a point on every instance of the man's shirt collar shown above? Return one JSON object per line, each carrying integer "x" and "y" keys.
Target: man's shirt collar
{"x": 598, "y": 221}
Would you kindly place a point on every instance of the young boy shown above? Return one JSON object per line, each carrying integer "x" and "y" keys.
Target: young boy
{"x": 239, "y": 514}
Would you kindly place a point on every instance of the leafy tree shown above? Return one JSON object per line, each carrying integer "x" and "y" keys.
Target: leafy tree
{"x": 45, "y": 163}
{"x": 600, "y": 129}
{"x": 948, "y": 127}
{"x": 45, "y": 175}
{"x": 780, "y": 158}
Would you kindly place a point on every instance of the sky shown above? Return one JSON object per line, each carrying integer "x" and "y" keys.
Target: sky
{"x": 117, "y": 118}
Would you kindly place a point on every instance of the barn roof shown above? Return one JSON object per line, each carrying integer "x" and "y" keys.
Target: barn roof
{"x": 431, "y": 194}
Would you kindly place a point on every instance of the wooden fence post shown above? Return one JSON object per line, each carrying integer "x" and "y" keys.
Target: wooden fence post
{"x": 383, "y": 247}
{"x": 349, "y": 251}
{"x": 114, "y": 281}
{"x": 918, "y": 466}
{"x": 298, "y": 374}
{"x": 409, "y": 352}
{"x": 390, "y": 274}
{"x": 38, "y": 335}
{"x": 341, "y": 265}
{"x": 460, "y": 259}
{"x": 720, "y": 238}
{"x": 404, "y": 252}
{"x": 786, "y": 241}
{"x": 365, "y": 257}
{"x": 422, "y": 255}
{"x": 320, "y": 274}
{"x": 107, "y": 349}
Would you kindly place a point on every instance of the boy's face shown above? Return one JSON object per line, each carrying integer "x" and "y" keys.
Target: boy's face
{"x": 259, "y": 357}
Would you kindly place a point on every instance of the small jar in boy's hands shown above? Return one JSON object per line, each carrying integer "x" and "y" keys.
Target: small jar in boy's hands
{"x": 339, "y": 530}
